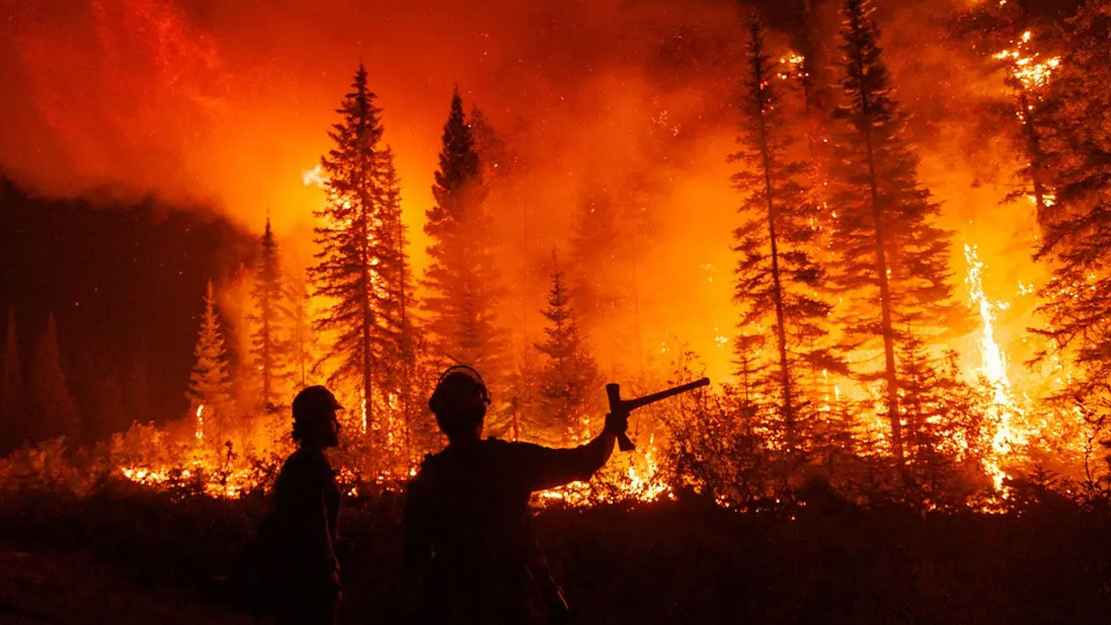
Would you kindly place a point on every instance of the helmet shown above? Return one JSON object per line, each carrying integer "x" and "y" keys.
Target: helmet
{"x": 312, "y": 404}
{"x": 452, "y": 400}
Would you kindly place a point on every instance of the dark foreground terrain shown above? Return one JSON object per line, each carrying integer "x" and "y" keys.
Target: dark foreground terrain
{"x": 128, "y": 556}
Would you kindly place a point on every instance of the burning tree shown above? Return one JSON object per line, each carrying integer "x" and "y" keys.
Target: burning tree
{"x": 359, "y": 256}
{"x": 462, "y": 279}
{"x": 778, "y": 277}
{"x": 269, "y": 343}
{"x": 892, "y": 260}
{"x": 1077, "y": 234}
{"x": 210, "y": 389}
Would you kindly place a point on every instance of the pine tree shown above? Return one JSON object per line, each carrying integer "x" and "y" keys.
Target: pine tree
{"x": 944, "y": 421}
{"x": 269, "y": 343}
{"x": 210, "y": 388}
{"x": 778, "y": 278}
{"x": 54, "y": 410}
{"x": 357, "y": 259}
{"x": 395, "y": 340}
{"x": 12, "y": 391}
{"x": 462, "y": 279}
{"x": 1077, "y": 235}
{"x": 1012, "y": 30}
{"x": 569, "y": 378}
{"x": 892, "y": 259}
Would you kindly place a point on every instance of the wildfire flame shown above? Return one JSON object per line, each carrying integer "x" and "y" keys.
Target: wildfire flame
{"x": 993, "y": 367}
{"x": 198, "y": 433}
{"x": 1025, "y": 66}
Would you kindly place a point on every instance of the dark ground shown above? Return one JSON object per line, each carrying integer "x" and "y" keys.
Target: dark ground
{"x": 127, "y": 556}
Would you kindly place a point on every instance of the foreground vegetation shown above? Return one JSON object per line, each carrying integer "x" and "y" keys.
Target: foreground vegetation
{"x": 818, "y": 558}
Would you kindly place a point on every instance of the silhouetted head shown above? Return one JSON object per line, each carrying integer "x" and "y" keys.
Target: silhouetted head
{"x": 459, "y": 403}
{"x": 314, "y": 418}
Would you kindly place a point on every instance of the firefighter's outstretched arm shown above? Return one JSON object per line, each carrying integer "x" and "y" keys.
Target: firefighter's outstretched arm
{"x": 560, "y": 466}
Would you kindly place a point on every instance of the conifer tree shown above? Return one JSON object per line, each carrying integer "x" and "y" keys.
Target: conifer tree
{"x": 569, "y": 377}
{"x": 778, "y": 278}
{"x": 358, "y": 259}
{"x": 269, "y": 343}
{"x": 54, "y": 410}
{"x": 892, "y": 259}
{"x": 12, "y": 392}
{"x": 1020, "y": 38}
{"x": 462, "y": 279}
{"x": 210, "y": 379}
{"x": 1077, "y": 236}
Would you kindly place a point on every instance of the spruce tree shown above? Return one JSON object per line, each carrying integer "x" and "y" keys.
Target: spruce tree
{"x": 357, "y": 260}
{"x": 569, "y": 376}
{"x": 462, "y": 279}
{"x": 54, "y": 411}
{"x": 210, "y": 387}
{"x": 269, "y": 342}
{"x": 892, "y": 259}
{"x": 13, "y": 394}
{"x": 778, "y": 277}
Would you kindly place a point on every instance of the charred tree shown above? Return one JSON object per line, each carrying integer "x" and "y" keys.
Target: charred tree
{"x": 777, "y": 276}
{"x": 462, "y": 279}
{"x": 892, "y": 259}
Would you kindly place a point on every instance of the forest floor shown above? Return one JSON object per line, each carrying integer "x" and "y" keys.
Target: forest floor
{"x": 135, "y": 557}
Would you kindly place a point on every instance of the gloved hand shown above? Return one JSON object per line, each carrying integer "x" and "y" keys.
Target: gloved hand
{"x": 617, "y": 423}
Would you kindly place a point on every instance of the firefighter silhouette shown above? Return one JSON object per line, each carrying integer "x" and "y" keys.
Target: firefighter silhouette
{"x": 470, "y": 553}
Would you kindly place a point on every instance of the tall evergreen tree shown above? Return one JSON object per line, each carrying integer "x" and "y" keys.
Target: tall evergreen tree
{"x": 396, "y": 342}
{"x": 269, "y": 342}
{"x": 54, "y": 409}
{"x": 569, "y": 378}
{"x": 462, "y": 279}
{"x": 892, "y": 259}
{"x": 1077, "y": 235}
{"x": 12, "y": 391}
{"x": 358, "y": 256}
{"x": 778, "y": 278}
{"x": 210, "y": 387}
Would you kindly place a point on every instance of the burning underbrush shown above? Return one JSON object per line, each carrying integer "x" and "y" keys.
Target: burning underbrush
{"x": 708, "y": 446}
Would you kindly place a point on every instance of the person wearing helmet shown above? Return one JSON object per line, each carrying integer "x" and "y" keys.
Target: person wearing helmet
{"x": 300, "y": 532}
{"x": 470, "y": 553}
